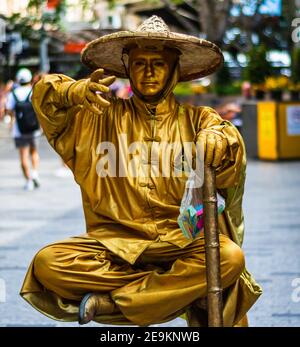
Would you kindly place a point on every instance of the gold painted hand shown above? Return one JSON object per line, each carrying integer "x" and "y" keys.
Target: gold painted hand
{"x": 87, "y": 92}
{"x": 215, "y": 146}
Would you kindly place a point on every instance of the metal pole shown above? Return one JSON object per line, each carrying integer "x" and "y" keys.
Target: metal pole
{"x": 43, "y": 52}
{"x": 212, "y": 249}
{"x": 44, "y": 61}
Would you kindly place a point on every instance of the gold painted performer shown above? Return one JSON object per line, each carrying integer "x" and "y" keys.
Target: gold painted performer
{"x": 134, "y": 265}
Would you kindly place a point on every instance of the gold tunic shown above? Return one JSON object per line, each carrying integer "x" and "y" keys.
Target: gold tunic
{"x": 128, "y": 214}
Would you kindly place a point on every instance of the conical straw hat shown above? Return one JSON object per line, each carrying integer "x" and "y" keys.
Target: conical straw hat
{"x": 198, "y": 57}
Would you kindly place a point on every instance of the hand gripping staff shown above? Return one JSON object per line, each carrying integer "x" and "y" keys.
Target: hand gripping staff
{"x": 212, "y": 246}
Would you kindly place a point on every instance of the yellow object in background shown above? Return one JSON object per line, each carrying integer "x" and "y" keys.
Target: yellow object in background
{"x": 278, "y": 130}
{"x": 289, "y": 134}
{"x": 267, "y": 130}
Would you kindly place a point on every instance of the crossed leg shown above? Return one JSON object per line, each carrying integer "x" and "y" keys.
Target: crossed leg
{"x": 164, "y": 280}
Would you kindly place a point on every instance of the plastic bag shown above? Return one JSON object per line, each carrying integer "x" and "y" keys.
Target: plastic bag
{"x": 190, "y": 219}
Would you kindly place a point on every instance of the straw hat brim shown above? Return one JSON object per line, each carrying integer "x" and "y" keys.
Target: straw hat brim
{"x": 198, "y": 57}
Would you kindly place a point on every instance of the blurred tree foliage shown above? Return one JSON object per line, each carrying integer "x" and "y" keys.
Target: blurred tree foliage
{"x": 258, "y": 67}
{"x": 240, "y": 32}
{"x": 224, "y": 84}
{"x": 223, "y": 81}
{"x": 29, "y": 26}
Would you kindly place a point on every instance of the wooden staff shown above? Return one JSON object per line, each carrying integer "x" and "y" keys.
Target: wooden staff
{"x": 212, "y": 249}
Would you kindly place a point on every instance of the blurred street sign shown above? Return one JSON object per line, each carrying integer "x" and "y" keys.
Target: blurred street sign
{"x": 52, "y": 5}
{"x": 74, "y": 47}
{"x": 293, "y": 120}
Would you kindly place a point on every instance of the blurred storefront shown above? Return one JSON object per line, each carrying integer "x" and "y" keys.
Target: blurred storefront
{"x": 271, "y": 130}
{"x": 79, "y": 24}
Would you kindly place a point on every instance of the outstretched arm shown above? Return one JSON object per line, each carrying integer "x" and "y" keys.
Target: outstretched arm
{"x": 62, "y": 106}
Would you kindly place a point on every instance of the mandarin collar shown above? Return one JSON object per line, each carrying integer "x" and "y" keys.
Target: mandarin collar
{"x": 164, "y": 108}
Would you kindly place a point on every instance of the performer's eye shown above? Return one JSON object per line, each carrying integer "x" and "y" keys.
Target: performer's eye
{"x": 159, "y": 63}
{"x": 139, "y": 63}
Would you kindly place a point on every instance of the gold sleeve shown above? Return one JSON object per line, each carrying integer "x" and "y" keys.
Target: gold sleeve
{"x": 59, "y": 119}
{"x": 234, "y": 161}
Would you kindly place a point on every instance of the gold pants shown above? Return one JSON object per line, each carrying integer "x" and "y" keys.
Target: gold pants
{"x": 157, "y": 288}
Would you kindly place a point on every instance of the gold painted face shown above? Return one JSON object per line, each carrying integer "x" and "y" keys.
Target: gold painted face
{"x": 149, "y": 70}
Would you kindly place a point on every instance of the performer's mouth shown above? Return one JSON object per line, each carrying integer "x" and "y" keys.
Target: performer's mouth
{"x": 149, "y": 83}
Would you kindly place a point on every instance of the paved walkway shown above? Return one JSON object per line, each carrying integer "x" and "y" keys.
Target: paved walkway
{"x": 30, "y": 220}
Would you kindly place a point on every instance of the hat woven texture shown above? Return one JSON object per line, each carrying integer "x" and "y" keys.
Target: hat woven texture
{"x": 198, "y": 57}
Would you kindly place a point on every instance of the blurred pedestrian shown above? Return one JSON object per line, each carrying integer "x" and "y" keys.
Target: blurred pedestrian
{"x": 2, "y": 100}
{"x": 125, "y": 92}
{"x": 246, "y": 90}
{"x": 25, "y": 129}
{"x": 5, "y": 89}
{"x": 231, "y": 112}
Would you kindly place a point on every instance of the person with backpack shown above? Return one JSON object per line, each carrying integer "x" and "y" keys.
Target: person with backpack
{"x": 26, "y": 127}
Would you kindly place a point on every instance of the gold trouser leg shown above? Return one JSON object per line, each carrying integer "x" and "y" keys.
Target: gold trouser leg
{"x": 164, "y": 294}
{"x": 243, "y": 323}
{"x": 164, "y": 280}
